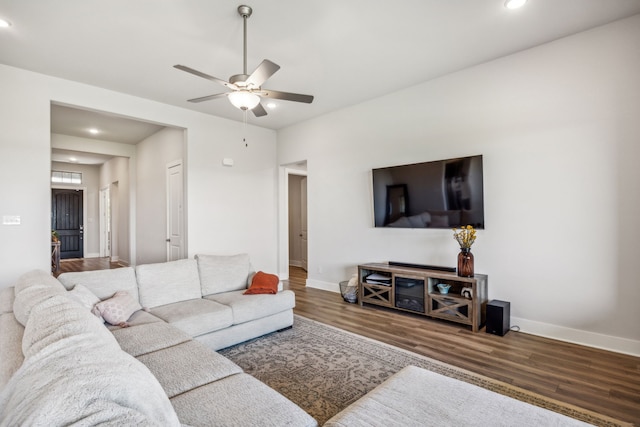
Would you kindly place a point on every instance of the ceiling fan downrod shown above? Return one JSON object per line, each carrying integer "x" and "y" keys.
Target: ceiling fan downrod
{"x": 245, "y": 12}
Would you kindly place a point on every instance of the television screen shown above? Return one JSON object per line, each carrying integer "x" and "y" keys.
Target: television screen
{"x": 441, "y": 194}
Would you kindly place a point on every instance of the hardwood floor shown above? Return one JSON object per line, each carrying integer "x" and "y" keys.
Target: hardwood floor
{"x": 85, "y": 264}
{"x": 598, "y": 380}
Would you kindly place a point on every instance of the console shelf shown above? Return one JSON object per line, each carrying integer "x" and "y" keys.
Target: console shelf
{"x": 415, "y": 290}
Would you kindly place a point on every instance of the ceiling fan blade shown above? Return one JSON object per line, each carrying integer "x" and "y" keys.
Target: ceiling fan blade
{"x": 265, "y": 70}
{"x": 205, "y": 76}
{"x": 259, "y": 111}
{"x": 208, "y": 97}
{"x": 296, "y": 97}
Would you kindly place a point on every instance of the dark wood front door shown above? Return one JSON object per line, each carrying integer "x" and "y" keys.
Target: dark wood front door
{"x": 66, "y": 219}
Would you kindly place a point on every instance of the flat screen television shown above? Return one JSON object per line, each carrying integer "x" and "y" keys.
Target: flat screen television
{"x": 439, "y": 194}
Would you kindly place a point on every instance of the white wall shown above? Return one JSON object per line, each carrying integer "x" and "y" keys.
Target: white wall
{"x": 153, "y": 155}
{"x": 230, "y": 209}
{"x": 558, "y": 128}
{"x": 91, "y": 186}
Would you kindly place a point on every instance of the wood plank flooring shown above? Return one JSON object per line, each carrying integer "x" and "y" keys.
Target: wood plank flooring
{"x": 598, "y": 380}
{"x": 85, "y": 264}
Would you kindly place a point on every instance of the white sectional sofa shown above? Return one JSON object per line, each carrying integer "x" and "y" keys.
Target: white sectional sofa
{"x": 60, "y": 365}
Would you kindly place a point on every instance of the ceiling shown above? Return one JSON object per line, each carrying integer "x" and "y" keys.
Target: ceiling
{"x": 342, "y": 52}
{"x": 107, "y": 127}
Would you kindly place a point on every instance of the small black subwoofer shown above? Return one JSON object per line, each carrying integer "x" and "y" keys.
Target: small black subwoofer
{"x": 498, "y": 317}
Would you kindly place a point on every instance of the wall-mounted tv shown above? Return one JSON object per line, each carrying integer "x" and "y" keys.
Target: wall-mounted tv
{"x": 440, "y": 194}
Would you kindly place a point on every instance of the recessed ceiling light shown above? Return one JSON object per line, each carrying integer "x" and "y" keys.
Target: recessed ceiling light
{"x": 514, "y": 4}
{"x": 4, "y": 23}
{"x": 271, "y": 105}
{"x": 94, "y": 131}
{"x": 73, "y": 159}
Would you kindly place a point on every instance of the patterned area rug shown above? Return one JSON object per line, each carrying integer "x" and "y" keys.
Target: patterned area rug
{"x": 324, "y": 369}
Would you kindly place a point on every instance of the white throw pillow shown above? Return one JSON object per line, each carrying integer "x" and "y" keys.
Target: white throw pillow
{"x": 118, "y": 309}
{"x": 86, "y": 298}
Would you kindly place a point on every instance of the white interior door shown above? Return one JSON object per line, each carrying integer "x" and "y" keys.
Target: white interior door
{"x": 175, "y": 212}
{"x": 303, "y": 222}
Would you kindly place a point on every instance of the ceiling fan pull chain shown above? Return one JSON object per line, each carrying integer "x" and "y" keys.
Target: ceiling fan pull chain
{"x": 244, "y": 127}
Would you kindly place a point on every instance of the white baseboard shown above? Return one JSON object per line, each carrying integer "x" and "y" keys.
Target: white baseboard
{"x": 325, "y": 286}
{"x": 92, "y": 255}
{"x": 576, "y": 336}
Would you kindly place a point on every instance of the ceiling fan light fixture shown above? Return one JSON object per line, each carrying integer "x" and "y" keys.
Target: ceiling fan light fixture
{"x": 244, "y": 100}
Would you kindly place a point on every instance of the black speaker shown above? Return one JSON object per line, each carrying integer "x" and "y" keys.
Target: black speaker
{"x": 498, "y": 317}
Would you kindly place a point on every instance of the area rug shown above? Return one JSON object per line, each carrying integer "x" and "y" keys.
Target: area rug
{"x": 324, "y": 369}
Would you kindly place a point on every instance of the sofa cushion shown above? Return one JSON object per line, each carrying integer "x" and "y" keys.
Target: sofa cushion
{"x": 31, "y": 289}
{"x": 246, "y": 331}
{"x": 140, "y": 317}
{"x": 223, "y": 273}
{"x": 149, "y": 337}
{"x": 10, "y": 347}
{"x": 258, "y": 405}
{"x": 59, "y": 321}
{"x": 72, "y": 376}
{"x": 36, "y": 277}
{"x": 103, "y": 283}
{"x": 189, "y": 365}
{"x": 168, "y": 282}
{"x": 85, "y": 298}
{"x": 251, "y": 307}
{"x": 7, "y": 295}
{"x": 195, "y": 317}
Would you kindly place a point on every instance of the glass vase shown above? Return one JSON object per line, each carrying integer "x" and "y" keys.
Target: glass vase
{"x": 465, "y": 263}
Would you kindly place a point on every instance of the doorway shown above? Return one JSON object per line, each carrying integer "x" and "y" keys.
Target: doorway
{"x": 124, "y": 205}
{"x": 297, "y": 212}
{"x": 67, "y": 221}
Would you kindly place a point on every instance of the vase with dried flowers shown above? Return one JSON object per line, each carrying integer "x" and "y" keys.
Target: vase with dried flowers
{"x": 465, "y": 236}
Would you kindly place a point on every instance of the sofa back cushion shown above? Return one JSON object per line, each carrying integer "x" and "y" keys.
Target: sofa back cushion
{"x": 103, "y": 283}
{"x": 168, "y": 282}
{"x": 31, "y": 289}
{"x": 59, "y": 321}
{"x": 223, "y": 273}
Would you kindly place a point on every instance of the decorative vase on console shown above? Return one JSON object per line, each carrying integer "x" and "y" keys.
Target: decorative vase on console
{"x": 465, "y": 263}
{"x": 465, "y": 236}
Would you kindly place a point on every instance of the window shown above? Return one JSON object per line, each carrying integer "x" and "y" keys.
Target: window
{"x": 61, "y": 177}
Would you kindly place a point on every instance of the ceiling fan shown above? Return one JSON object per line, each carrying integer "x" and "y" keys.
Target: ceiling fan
{"x": 246, "y": 90}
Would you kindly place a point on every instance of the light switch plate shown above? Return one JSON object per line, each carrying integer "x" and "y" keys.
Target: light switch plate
{"x": 11, "y": 220}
